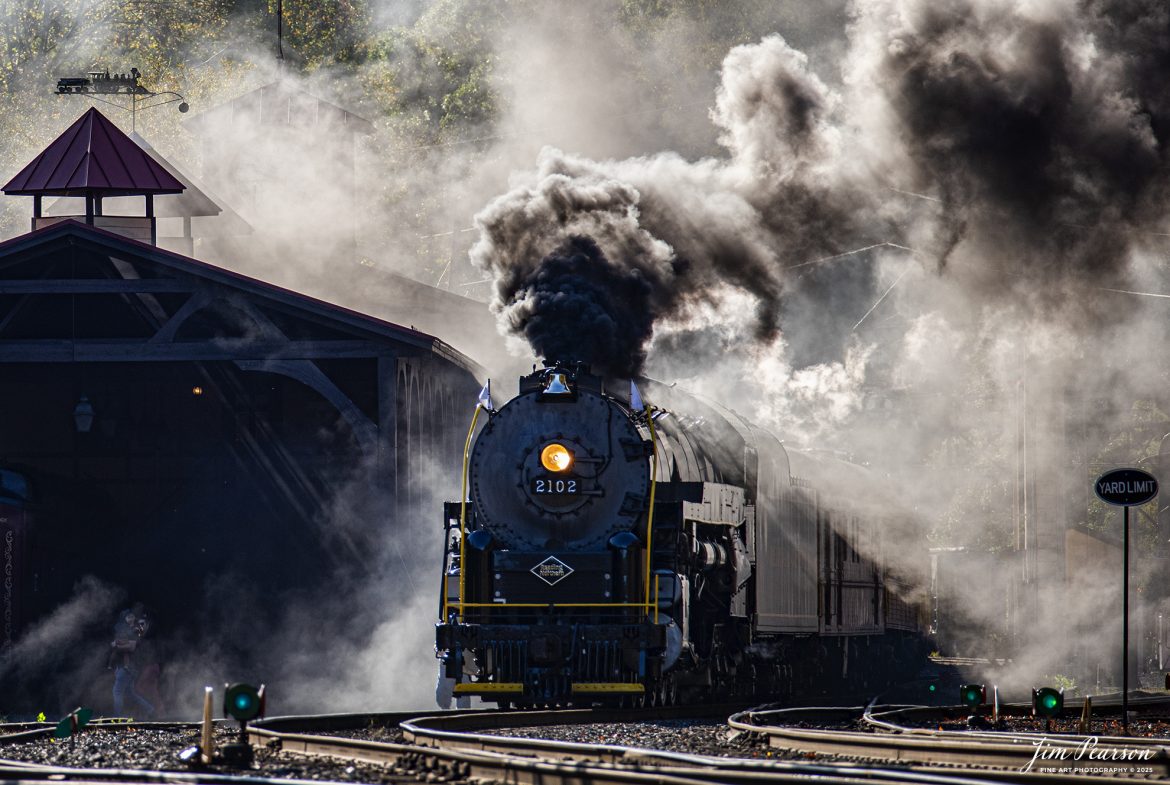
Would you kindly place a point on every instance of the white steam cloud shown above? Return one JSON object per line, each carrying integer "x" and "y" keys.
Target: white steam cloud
{"x": 933, "y": 261}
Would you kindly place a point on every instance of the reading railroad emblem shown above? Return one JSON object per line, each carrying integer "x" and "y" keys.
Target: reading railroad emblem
{"x": 552, "y": 570}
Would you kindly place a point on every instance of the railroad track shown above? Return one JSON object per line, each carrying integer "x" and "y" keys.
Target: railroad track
{"x": 896, "y": 734}
{"x": 459, "y": 747}
{"x": 459, "y": 750}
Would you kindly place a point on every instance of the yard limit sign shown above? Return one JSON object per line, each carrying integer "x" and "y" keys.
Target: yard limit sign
{"x": 1125, "y": 488}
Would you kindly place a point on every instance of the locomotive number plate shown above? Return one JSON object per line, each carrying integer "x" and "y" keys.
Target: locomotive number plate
{"x": 556, "y": 486}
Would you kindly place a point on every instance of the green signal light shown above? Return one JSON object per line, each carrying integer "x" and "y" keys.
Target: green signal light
{"x": 973, "y": 695}
{"x": 932, "y": 688}
{"x": 243, "y": 701}
{"x": 1047, "y": 702}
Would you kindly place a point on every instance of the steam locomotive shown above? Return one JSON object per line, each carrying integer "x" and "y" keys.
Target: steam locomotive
{"x": 608, "y": 551}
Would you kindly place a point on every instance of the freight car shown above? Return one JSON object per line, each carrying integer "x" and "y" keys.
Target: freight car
{"x": 607, "y": 551}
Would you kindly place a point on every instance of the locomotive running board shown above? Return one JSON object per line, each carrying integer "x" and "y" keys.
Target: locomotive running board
{"x": 608, "y": 687}
{"x": 478, "y": 688}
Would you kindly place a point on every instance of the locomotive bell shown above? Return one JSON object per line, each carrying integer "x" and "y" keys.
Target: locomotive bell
{"x": 557, "y": 385}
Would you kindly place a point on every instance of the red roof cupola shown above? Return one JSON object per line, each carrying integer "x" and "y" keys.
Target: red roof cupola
{"x": 94, "y": 159}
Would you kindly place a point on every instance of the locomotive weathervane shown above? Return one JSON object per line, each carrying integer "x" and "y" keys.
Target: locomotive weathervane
{"x": 103, "y": 83}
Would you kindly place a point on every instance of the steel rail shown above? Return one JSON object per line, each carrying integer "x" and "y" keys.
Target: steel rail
{"x": 920, "y": 746}
{"x": 450, "y": 739}
{"x": 32, "y": 772}
{"x": 17, "y": 732}
{"x": 543, "y": 762}
{"x": 455, "y": 750}
{"x": 885, "y": 722}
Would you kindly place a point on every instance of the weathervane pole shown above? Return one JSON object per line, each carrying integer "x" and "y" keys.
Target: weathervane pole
{"x": 280, "y": 35}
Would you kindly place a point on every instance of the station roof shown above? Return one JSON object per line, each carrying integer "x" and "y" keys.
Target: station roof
{"x": 154, "y": 270}
{"x": 93, "y": 156}
{"x": 194, "y": 202}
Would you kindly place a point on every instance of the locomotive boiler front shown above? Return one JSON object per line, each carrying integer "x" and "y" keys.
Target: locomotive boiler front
{"x": 559, "y": 466}
{"x": 545, "y": 586}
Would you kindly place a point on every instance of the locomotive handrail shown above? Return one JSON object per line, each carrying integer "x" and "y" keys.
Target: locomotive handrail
{"x": 551, "y": 605}
{"x": 649, "y": 412}
{"x": 463, "y": 516}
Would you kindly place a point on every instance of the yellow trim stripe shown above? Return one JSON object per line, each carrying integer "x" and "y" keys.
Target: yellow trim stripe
{"x": 476, "y": 687}
{"x": 609, "y": 687}
{"x": 551, "y": 605}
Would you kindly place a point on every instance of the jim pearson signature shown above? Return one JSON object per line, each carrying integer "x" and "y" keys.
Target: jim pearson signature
{"x": 1089, "y": 749}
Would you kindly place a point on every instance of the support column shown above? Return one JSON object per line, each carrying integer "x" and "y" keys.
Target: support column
{"x": 386, "y": 471}
{"x": 150, "y": 215}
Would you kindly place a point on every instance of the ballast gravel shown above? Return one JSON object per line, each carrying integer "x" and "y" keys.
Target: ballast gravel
{"x": 158, "y": 750}
{"x": 695, "y": 737}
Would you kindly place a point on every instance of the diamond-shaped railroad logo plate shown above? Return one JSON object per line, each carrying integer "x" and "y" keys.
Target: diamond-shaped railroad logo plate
{"x": 552, "y": 570}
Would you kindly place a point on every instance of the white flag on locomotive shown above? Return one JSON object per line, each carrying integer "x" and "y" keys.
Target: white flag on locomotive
{"x": 636, "y": 404}
{"x": 485, "y": 396}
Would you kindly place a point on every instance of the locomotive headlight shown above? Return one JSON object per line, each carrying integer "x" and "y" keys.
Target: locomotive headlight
{"x": 556, "y": 458}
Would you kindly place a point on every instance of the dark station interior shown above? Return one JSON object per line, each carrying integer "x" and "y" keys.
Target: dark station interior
{"x": 176, "y": 428}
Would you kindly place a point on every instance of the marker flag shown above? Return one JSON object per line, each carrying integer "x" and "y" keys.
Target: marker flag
{"x": 636, "y": 403}
{"x": 485, "y": 396}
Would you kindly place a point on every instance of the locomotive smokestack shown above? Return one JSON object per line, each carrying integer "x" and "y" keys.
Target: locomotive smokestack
{"x": 578, "y": 308}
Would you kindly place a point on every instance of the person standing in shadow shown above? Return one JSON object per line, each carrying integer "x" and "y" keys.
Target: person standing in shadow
{"x": 146, "y": 660}
{"x": 122, "y": 651}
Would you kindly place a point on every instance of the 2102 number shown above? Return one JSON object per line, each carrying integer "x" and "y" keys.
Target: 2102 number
{"x": 560, "y": 486}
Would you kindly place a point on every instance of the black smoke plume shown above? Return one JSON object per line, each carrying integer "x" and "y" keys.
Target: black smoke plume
{"x": 694, "y": 231}
{"x": 1040, "y": 129}
{"x": 578, "y": 306}
{"x": 1021, "y": 149}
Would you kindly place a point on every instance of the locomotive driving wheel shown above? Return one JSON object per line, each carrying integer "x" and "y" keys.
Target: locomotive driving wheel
{"x": 660, "y": 695}
{"x": 669, "y": 692}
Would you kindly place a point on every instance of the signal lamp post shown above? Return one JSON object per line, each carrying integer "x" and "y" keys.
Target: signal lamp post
{"x": 242, "y": 702}
{"x": 1047, "y": 702}
{"x": 973, "y": 696}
